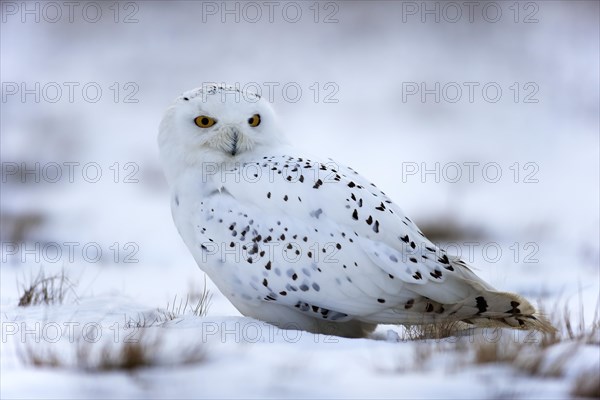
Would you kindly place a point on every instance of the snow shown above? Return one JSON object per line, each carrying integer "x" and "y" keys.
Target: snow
{"x": 547, "y": 230}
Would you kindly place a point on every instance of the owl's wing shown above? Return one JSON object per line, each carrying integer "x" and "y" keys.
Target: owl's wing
{"x": 349, "y": 230}
{"x": 318, "y": 237}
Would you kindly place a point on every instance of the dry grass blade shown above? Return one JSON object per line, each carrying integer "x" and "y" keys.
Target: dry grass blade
{"x": 203, "y": 301}
{"x": 129, "y": 355}
{"x": 43, "y": 289}
{"x": 534, "y": 353}
{"x": 39, "y": 358}
{"x": 195, "y": 303}
{"x": 141, "y": 352}
{"x": 437, "y": 331}
{"x": 488, "y": 353}
{"x": 577, "y": 333}
{"x": 587, "y": 385}
{"x": 200, "y": 309}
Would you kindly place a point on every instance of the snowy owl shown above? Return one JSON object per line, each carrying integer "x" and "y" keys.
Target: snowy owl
{"x": 304, "y": 243}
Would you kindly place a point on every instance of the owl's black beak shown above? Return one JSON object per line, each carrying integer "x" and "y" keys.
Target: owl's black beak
{"x": 234, "y": 142}
{"x": 230, "y": 140}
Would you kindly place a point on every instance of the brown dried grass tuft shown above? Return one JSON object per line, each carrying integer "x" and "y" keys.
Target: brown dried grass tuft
{"x": 129, "y": 355}
{"x": 42, "y": 289}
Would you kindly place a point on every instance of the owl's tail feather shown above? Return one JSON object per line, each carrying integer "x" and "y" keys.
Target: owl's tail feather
{"x": 501, "y": 309}
{"x": 486, "y": 308}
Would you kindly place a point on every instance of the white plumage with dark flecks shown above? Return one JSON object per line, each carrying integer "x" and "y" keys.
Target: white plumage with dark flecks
{"x": 305, "y": 243}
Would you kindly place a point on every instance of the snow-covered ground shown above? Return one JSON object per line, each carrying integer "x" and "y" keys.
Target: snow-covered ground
{"x": 524, "y": 209}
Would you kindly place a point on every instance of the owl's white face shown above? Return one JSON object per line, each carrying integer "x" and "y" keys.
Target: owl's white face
{"x": 216, "y": 124}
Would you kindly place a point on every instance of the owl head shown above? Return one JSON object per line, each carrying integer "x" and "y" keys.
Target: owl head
{"x": 216, "y": 124}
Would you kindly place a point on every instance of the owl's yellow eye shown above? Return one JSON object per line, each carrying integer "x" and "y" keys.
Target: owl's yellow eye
{"x": 254, "y": 121}
{"x": 205, "y": 122}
